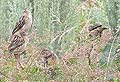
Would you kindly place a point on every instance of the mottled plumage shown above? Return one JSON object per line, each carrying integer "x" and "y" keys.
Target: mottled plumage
{"x": 49, "y": 57}
{"x": 96, "y": 30}
{"x": 18, "y": 43}
{"x": 24, "y": 23}
{"x": 93, "y": 27}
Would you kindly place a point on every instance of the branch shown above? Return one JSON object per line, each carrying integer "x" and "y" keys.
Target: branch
{"x": 54, "y": 39}
{"x": 67, "y": 31}
{"x": 4, "y": 75}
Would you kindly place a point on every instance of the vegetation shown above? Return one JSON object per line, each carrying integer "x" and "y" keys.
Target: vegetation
{"x": 61, "y": 27}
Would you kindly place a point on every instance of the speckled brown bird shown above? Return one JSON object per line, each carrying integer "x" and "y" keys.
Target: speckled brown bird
{"x": 18, "y": 45}
{"x": 49, "y": 57}
{"x": 96, "y": 30}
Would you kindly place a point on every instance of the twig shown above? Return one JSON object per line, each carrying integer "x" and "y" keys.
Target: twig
{"x": 54, "y": 39}
{"x": 65, "y": 33}
{"x": 61, "y": 35}
{"x": 58, "y": 19}
{"x": 87, "y": 22}
{"x": 4, "y": 75}
{"x": 33, "y": 60}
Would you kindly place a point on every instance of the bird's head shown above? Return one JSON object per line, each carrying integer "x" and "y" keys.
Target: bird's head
{"x": 26, "y": 12}
{"x": 93, "y": 27}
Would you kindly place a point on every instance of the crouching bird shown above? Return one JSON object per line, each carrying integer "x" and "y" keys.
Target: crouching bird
{"x": 18, "y": 45}
{"x": 49, "y": 58}
{"x": 96, "y": 30}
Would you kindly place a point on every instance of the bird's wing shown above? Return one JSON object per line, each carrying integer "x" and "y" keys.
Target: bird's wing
{"x": 16, "y": 42}
{"x": 19, "y": 24}
{"x": 93, "y": 27}
{"x": 100, "y": 30}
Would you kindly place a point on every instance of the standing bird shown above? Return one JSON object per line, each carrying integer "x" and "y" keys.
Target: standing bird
{"x": 18, "y": 45}
{"x": 18, "y": 39}
{"x": 96, "y": 30}
{"x": 24, "y": 23}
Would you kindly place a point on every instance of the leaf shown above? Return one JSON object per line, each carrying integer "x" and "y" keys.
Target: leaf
{"x": 109, "y": 77}
{"x": 7, "y": 67}
{"x": 117, "y": 63}
{"x": 72, "y": 60}
{"x": 17, "y": 76}
{"x": 102, "y": 60}
{"x": 116, "y": 79}
{"x": 108, "y": 52}
{"x": 33, "y": 70}
{"x": 2, "y": 79}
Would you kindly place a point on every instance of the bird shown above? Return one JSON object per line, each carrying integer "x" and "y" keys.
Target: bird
{"x": 96, "y": 30}
{"x": 18, "y": 45}
{"x": 48, "y": 57}
{"x": 24, "y": 22}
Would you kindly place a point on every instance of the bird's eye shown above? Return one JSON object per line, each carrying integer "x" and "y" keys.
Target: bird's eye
{"x": 23, "y": 10}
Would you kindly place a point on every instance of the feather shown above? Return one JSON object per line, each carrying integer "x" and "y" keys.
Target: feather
{"x": 25, "y": 22}
{"x": 15, "y": 43}
{"x": 93, "y": 27}
{"x": 19, "y": 25}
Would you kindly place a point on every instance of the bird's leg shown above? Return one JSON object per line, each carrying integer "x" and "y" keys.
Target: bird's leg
{"x": 45, "y": 62}
{"x": 17, "y": 56}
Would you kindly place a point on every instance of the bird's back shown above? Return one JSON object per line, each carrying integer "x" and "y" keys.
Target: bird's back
{"x": 15, "y": 44}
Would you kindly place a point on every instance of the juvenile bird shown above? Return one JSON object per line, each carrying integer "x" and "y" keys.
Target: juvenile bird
{"x": 18, "y": 45}
{"x": 96, "y": 30}
{"x": 24, "y": 22}
{"x": 49, "y": 57}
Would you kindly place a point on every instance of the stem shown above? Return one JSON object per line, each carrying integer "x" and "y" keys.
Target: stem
{"x": 4, "y": 75}
{"x": 117, "y": 32}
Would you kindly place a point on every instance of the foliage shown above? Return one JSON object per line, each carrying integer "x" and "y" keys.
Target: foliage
{"x": 60, "y": 26}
